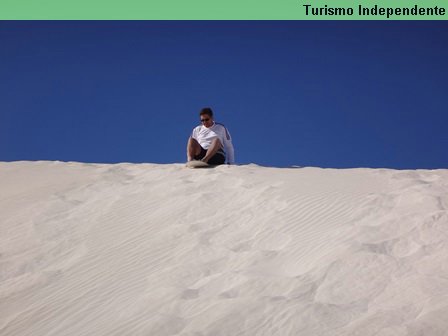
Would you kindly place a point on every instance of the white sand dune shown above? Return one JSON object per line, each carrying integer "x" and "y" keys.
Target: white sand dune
{"x": 146, "y": 249}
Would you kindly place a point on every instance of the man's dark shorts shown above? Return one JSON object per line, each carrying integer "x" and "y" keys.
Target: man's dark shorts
{"x": 217, "y": 159}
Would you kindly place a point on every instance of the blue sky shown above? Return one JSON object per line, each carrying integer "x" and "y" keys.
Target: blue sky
{"x": 329, "y": 94}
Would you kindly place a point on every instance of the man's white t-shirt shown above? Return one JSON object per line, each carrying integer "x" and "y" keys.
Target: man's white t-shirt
{"x": 204, "y": 136}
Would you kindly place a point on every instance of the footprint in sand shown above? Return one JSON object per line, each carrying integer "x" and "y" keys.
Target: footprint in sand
{"x": 190, "y": 294}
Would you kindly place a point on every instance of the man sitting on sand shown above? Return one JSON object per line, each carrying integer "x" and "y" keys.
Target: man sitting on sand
{"x": 210, "y": 142}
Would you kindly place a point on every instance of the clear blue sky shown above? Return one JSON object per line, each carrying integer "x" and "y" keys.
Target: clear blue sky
{"x": 328, "y": 94}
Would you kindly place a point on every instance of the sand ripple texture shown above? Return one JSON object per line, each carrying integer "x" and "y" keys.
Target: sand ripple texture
{"x": 160, "y": 250}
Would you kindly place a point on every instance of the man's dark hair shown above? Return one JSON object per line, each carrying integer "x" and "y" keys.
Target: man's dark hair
{"x": 206, "y": 110}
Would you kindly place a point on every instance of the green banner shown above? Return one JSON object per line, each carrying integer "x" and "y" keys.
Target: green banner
{"x": 223, "y": 10}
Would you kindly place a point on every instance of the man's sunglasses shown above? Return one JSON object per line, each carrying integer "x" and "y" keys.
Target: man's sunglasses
{"x": 204, "y": 120}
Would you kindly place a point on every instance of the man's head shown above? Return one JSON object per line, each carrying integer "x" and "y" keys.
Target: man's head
{"x": 206, "y": 116}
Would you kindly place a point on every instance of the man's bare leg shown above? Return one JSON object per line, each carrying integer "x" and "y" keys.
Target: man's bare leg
{"x": 212, "y": 150}
{"x": 193, "y": 149}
